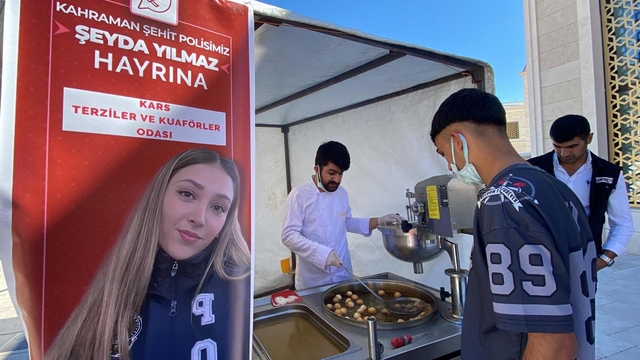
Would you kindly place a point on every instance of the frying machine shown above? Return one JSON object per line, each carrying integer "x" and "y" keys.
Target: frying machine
{"x": 436, "y": 208}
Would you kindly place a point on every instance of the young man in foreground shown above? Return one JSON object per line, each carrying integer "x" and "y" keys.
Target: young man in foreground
{"x": 531, "y": 290}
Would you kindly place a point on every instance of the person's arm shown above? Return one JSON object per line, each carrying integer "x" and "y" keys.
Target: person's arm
{"x": 620, "y": 223}
{"x": 292, "y": 237}
{"x": 543, "y": 346}
{"x": 360, "y": 226}
{"x": 373, "y": 222}
{"x": 601, "y": 264}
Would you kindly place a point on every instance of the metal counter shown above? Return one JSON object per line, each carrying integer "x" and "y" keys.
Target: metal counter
{"x": 442, "y": 338}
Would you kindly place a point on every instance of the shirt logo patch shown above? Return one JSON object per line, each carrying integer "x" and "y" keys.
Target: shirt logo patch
{"x": 511, "y": 189}
{"x": 137, "y": 328}
{"x": 604, "y": 179}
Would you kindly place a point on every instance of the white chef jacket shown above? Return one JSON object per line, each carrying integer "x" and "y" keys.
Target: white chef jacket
{"x": 315, "y": 223}
{"x": 618, "y": 209}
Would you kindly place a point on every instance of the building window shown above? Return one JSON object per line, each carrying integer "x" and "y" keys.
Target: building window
{"x": 513, "y": 130}
{"x": 621, "y": 34}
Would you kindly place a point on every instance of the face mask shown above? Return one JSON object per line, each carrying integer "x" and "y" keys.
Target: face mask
{"x": 319, "y": 182}
{"x": 468, "y": 174}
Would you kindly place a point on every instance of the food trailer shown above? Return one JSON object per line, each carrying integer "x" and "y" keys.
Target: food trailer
{"x": 315, "y": 82}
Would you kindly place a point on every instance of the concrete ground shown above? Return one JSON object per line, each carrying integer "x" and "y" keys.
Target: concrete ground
{"x": 617, "y": 315}
{"x": 618, "y": 310}
{"x": 13, "y": 345}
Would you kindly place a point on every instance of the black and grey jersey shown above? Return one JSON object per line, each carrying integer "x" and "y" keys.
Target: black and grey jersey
{"x": 533, "y": 267}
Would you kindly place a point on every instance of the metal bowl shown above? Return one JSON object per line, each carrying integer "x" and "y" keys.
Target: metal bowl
{"x": 386, "y": 322}
{"x": 411, "y": 248}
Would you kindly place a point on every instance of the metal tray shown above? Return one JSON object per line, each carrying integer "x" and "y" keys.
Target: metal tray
{"x": 386, "y": 322}
{"x": 294, "y": 331}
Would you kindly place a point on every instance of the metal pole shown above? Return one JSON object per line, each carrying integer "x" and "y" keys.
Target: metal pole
{"x": 287, "y": 167}
{"x": 287, "y": 164}
{"x": 372, "y": 335}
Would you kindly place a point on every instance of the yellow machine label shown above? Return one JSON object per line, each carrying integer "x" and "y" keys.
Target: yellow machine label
{"x": 433, "y": 207}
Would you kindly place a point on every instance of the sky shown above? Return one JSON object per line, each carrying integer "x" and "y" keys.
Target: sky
{"x": 487, "y": 30}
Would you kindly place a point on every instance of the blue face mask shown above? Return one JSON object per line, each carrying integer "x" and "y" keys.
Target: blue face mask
{"x": 468, "y": 174}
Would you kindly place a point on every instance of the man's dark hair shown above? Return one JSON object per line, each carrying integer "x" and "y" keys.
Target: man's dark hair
{"x": 473, "y": 105}
{"x": 333, "y": 151}
{"x": 567, "y": 127}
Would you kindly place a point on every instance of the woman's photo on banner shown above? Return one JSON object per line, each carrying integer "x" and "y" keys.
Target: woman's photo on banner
{"x": 176, "y": 282}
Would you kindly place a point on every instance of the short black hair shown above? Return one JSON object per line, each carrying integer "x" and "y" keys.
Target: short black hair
{"x": 567, "y": 127}
{"x": 473, "y": 105}
{"x": 335, "y": 152}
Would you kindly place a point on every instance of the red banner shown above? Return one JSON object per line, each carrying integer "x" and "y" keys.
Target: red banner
{"x": 107, "y": 92}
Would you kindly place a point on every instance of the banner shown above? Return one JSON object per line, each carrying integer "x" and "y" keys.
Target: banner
{"x": 97, "y": 95}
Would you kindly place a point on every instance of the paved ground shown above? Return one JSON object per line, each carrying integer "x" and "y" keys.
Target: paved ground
{"x": 13, "y": 345}
{"x": 617, "y": 311}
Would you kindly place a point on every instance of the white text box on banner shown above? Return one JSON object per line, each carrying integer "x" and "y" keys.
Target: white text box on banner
{"x": 100, "y": 113}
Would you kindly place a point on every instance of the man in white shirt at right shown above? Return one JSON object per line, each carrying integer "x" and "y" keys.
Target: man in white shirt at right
{"x": 599, "y": 184}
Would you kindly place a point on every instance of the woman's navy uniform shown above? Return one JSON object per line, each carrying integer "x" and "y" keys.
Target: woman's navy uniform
{"x": 174, "y": 324}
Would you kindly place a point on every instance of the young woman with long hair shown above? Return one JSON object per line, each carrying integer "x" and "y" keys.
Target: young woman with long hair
{"x": 176, "y": 283}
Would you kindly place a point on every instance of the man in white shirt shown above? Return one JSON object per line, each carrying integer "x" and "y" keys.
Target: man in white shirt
{"x": 599, "y": 184}
{"x": 317, "y": 217}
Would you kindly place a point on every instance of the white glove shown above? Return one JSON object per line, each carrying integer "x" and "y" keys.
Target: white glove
{"x": 390, "y": 219}
{"x": 333, "y": 260}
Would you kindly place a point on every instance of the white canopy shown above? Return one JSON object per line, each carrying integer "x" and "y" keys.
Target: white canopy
{"x": 308, "y": 69}
{"x": 376, "y": 96}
